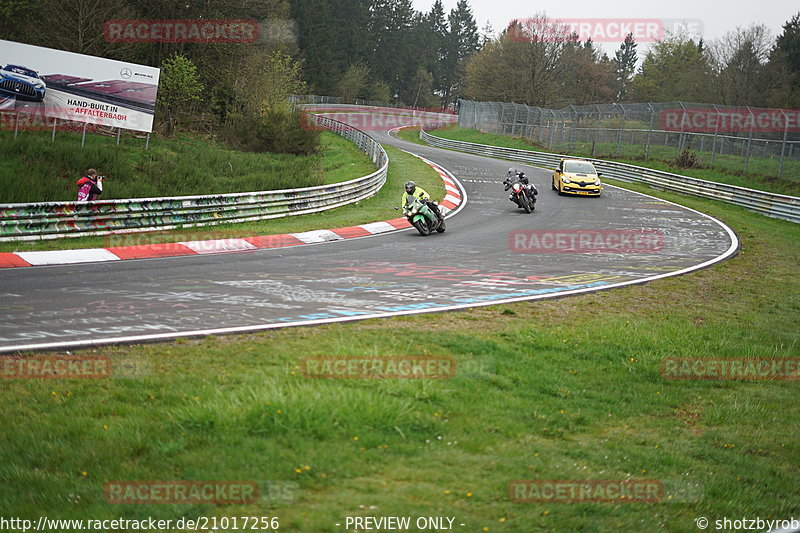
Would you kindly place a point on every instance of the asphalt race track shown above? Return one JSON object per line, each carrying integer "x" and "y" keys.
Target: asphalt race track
{"x": 473, "y": 263}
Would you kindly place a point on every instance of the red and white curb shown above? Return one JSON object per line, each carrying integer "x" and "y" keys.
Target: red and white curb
{"x": 454, "y": 198}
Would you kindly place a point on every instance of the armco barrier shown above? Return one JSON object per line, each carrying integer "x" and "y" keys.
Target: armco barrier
{"x": 49, "y": 220}
{"x": 770, "y": 204}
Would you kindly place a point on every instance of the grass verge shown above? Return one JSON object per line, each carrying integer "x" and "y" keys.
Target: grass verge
{"x": 761, "y": 177}
{"x": 402, "y": 167}
{"x": 35, "y": 169}
{"x": 558, "y": 389}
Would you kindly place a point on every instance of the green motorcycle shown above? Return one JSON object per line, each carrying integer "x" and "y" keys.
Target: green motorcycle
{"x": 422, "y": 217}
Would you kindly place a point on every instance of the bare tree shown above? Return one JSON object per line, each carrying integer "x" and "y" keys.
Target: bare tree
{"x": 739, "y": 61}
{"x": 78, "y": 26}
{"x": 523, "y": 65}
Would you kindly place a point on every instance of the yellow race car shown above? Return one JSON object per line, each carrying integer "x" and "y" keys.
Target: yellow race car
{"x": 576, "y": 176}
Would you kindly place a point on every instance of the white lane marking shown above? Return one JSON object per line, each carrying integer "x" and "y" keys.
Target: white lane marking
{"x": 215, "y": 246}
{"x": 64, "y": 257}
{"x": 378, "y": 227}
{"x": 319, "y": 235}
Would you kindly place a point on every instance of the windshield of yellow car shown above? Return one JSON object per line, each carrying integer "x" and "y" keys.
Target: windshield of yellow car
{"x": 579, "y": 167}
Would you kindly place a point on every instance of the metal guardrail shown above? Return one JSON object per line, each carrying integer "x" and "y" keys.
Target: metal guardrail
{"x": 741, "y": 133}
{"x": 770, "y": 204}
{"x": 50, "y": 220}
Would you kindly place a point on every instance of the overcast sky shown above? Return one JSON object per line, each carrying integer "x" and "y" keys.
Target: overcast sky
{"x": 713, "y": 19}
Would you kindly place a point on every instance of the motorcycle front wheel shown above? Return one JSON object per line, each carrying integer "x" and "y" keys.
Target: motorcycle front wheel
{"x": 422, "y": 227}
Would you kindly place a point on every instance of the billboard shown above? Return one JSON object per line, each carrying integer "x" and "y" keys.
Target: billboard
{"x": 70, "y": 86}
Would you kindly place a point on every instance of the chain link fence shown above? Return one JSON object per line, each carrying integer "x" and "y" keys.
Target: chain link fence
{"x": 310, "y": 99}
{"x": 747, "y": 139}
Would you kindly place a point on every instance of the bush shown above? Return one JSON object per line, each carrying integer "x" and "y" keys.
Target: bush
{"x": 687, "y": 159}
{"x": 278, "y": 131}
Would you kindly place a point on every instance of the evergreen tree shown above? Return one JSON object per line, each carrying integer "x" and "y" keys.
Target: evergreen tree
{"x": 391, "y": 23}
{"x": 784, "y": 64}
{"x": 463, "y": 40}
{"x": 436, "y": 53}
{"x": 624, "y": 67}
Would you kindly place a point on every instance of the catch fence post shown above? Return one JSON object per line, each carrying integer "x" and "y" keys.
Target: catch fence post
{"x": 783, "y": 144}
{"x": 649, "y": 131}
{"x": 749, "y": 138}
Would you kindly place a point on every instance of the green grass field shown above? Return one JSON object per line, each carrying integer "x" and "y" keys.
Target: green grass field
{"x": 762, "y": 173}
{"x": 34, "y": 169}
{"x": 559, "y": 389}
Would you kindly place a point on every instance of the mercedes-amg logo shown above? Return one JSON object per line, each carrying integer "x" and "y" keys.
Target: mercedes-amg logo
{"x": 125, "y": 73}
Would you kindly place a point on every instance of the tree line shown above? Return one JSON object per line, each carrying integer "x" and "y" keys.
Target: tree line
{"x": 539, "y": 62}
{"x": 385, "y": 50}
{"x": 372, "y": 49}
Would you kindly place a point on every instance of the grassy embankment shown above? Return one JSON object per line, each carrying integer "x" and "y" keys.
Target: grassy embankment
{"x": 559, "y": 389}
{"x": 762, "y": 175}
{"x": 188, "y": 162}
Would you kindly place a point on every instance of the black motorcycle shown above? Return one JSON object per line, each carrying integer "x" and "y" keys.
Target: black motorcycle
{"x": 523, "y": 193}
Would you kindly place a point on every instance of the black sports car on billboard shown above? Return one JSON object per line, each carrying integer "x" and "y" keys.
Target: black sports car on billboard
{"x": 21, "y": 82}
